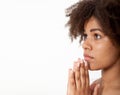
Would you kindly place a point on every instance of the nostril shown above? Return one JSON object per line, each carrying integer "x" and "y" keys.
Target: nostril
{"x": 86, "y": 45}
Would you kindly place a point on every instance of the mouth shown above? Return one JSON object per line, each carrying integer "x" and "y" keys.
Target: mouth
{"x": 87, "y": 57}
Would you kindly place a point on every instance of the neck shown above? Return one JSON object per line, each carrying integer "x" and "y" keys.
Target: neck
{"x": 111, "y": 77}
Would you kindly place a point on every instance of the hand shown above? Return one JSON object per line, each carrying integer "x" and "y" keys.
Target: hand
{"x": 78, "y": 80}
{"x": 95, "y": 87}
{"x": 95, "y": 84}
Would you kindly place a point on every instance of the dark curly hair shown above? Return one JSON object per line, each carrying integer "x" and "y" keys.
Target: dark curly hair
{"x": 107, "y": 12}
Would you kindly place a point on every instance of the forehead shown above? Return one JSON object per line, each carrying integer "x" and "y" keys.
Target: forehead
{"x": 92, "y": 24}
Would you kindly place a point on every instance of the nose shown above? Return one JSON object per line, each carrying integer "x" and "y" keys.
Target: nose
{"x": 86, "y": 45}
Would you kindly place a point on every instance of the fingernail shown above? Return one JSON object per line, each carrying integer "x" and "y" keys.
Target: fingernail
{"x": 70, "y": 71}
{"x": 81, "y": 61}
{"x": 78, "y": 64}
{"x": 86, "y": 64}
{"x": 98, "y": 85}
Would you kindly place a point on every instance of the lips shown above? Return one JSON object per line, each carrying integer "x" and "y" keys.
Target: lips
{"x": 87, "y": 57}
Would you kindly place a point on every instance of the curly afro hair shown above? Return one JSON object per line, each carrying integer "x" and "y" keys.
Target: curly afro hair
{"x": 107, "y": 12}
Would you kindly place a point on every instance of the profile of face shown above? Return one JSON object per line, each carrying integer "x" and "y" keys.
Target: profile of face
{"x": 99, "y": 51}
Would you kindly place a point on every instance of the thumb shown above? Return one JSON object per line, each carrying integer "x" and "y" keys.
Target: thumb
{"x": 96, "y": 89}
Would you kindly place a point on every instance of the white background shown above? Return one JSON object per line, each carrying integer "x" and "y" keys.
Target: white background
{"x": 35, "y": 49}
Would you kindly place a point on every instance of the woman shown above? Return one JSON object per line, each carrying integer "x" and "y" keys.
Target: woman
{"x": 97, "y": 24}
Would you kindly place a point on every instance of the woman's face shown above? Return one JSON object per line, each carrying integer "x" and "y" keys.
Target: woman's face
{"x": 99, "y": 51}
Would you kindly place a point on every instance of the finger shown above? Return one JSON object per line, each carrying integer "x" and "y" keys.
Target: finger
{"x": 87, "y": 75}
{"x": 74, "y": 66}
{"x": 82, "y": 74}
{"x": 77, "y": 75}
{"x": 96, "y": 89}
{"x": 71, "y": 79}
{"x": 71, "y": 83}
{"x": 92, "y": 86}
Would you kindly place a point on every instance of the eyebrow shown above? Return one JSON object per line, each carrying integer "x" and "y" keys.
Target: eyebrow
{"x": 95, "y": 29}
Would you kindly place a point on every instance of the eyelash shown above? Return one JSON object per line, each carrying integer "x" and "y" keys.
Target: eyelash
{"x": 96, "y": 36}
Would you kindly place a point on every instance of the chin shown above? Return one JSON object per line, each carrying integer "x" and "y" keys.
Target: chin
{"x": 93, "y": 67}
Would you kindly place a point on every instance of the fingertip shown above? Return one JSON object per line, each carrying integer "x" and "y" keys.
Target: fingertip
{"x": 98, "y": 85}
{"x": 86, "y": 64}
{"x": 70, "y": 71}
{"x": 79, "y": 60}
{"x": 96, "y": 89}
{"x": 82, "y": 62}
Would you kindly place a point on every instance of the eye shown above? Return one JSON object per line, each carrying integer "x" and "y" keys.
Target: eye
{"x": 97, "y": 36}
{"x": 84, "y": 37}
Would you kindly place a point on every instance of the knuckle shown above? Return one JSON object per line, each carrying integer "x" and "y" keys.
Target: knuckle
{"x": 72, "y": 82}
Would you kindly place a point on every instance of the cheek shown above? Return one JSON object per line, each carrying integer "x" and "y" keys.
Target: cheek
{"x": 105, "y": 56}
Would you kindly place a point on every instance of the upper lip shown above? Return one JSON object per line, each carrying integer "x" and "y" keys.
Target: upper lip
{"x": 88, "y": 55}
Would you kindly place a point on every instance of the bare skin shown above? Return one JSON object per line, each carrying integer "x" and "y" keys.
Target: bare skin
{"x": 78, "y": 81}
{"x": 100, "y": 54}
{"x": 105, "y": 56}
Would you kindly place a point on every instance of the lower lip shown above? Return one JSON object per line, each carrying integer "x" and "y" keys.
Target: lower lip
{"x": 86, "y": 58}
